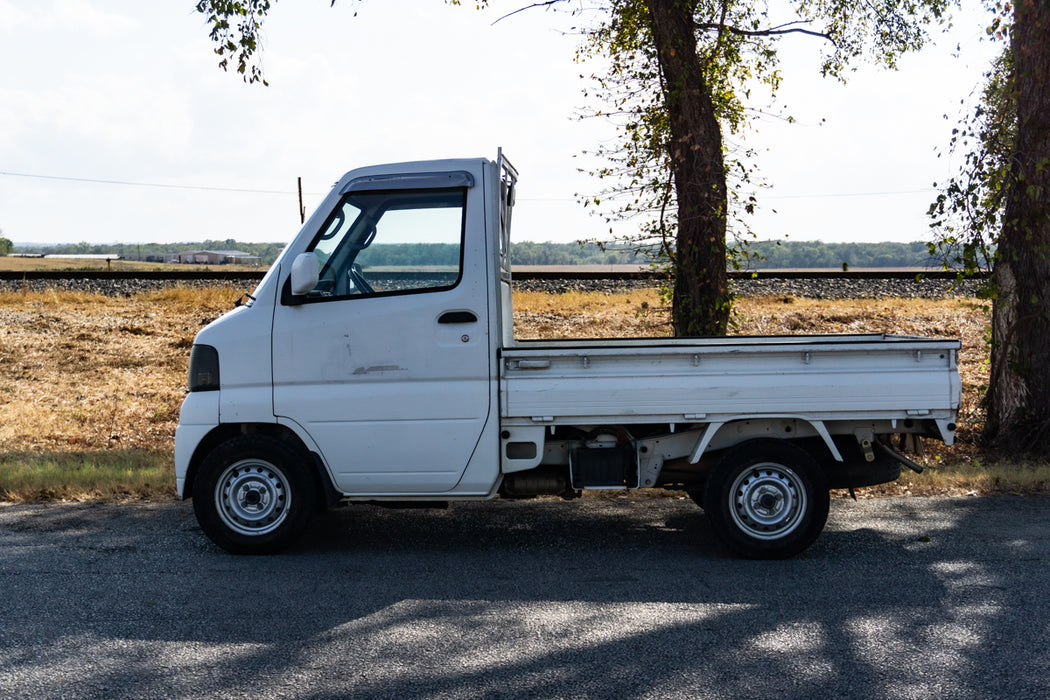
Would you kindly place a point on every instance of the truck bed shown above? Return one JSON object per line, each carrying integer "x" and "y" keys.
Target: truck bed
{"x": 827, "y": 377}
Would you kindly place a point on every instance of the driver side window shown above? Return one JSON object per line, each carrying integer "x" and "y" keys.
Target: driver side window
{"x": 391, "y": 242}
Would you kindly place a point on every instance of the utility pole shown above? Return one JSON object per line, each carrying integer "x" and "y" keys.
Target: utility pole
{"x": 302, "y": 209}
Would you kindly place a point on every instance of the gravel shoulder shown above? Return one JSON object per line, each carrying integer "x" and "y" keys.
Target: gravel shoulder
{"x": 861, "y": 288}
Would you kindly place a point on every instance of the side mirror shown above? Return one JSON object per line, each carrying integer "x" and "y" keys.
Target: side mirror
{"x": 306, "y": 271}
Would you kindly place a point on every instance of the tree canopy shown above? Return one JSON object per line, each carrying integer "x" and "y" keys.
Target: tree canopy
{"x": 996, "y": 212}
{"x": 681, "y": 73}
{"x": 968, "y": 211}
{"x": 681, "y": 78}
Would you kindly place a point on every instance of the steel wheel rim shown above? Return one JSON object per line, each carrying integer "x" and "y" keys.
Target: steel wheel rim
{"x": 252, "y": 497}
{"x": 767, "y": 501}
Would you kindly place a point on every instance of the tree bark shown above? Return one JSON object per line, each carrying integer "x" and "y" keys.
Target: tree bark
{"x": 701, "y": 302}
{"x": 1019, "y": 388}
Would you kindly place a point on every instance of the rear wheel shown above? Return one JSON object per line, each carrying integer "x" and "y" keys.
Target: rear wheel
{"x": 253, "y": 495}
{"x": 767, "y": 499}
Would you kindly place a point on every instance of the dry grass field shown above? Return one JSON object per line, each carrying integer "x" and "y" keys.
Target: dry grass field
{"x": 90, "y": 386}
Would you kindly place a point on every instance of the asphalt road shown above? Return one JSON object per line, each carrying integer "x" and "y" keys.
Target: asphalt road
{"x": 595, "y": 599}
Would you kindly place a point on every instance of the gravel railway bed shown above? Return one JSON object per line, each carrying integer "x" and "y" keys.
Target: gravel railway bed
{"x": 829, "y": 288}
{"x": 818, "y": 288}
{"x": 107, "y": 287}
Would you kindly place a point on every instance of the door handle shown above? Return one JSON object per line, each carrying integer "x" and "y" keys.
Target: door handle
{"x": 458, "y": 317}
{"x": 532, "y": 364}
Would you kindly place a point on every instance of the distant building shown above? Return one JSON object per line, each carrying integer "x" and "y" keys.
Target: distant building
{"x": 82, "y": 256}
{"x": 212, "y": 257}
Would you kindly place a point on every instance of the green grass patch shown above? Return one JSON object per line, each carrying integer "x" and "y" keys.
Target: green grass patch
{"x": 1001, "y": 476}
{"x": 87, "y": 476}
{"x": 117, "y": 475}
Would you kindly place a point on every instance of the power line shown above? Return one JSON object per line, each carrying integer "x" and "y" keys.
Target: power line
{"x": 830, "y": 195}
{"x": 130, "y": 183}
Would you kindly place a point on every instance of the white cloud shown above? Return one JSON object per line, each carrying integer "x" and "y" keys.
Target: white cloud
{"x": 11, "y": 17}
{"x": 111, "y": 89}
{"x": 90, "y": 17}
{"x": 110, "y": 112}
{"x": 81, "y": 16}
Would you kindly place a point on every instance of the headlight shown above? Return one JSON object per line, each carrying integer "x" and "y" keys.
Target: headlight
{"x": 204, "y": 368}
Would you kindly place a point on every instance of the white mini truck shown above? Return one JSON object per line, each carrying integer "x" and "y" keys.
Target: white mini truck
{"x": 376, "y": 362}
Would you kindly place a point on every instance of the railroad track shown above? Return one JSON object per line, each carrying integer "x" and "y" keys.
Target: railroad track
{"x": 538, "y": 273}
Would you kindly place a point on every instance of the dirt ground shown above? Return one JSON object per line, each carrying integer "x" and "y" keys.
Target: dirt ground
{"x": 84, "y": 371}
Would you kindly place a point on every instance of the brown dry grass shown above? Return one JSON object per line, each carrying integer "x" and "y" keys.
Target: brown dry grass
{"x": 90, "y": 383}
{"x": 84, "y": 374}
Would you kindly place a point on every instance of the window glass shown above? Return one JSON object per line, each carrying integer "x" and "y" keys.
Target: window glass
{"x": 391, "y": 242}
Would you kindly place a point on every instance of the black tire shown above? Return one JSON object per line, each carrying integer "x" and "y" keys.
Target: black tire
{"x": 253, "y": 495}
{"x": 767, "y": 499}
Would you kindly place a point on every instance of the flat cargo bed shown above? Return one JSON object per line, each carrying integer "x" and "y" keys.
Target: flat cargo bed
{"x": 674, "y": 380}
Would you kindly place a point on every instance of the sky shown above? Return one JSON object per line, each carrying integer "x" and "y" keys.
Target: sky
{"x": 117, "y": 126}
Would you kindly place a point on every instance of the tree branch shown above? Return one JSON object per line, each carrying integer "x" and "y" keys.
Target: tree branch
{"x": 533, "y": 6}
{"x": 721, "y": 28}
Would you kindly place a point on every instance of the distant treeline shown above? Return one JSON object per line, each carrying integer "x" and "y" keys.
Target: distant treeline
{"x": 765, "y": 254}
{"x": 789, "y": 254}
{"x": 266, "y": 252}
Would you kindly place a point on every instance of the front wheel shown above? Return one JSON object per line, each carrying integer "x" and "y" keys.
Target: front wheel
{"x": 253, "y": 495}
{"x": 767, "y": 499}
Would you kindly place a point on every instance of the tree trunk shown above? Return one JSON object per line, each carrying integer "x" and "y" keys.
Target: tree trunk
{"x": 1019, "y": 389}
{"x": 701, "y": 301}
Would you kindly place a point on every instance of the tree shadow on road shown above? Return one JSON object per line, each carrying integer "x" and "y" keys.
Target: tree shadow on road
{"x": 603, "y": 598}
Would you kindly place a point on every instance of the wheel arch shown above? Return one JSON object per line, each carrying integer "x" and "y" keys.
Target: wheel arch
{"x": 774, "y": 427}
{"x": 326, "y": 491}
